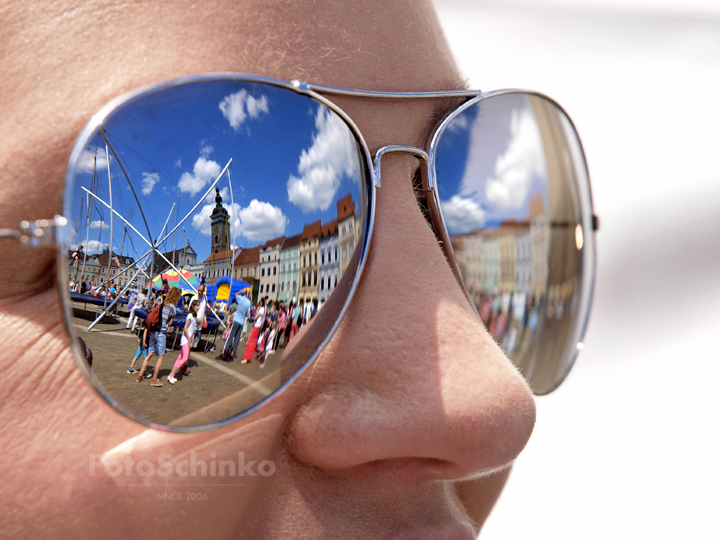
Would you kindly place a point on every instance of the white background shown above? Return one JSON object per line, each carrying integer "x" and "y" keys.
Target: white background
{"x": 629, "y": 446}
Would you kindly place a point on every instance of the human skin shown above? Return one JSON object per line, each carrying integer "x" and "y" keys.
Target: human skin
{"x": 408, "y": 422}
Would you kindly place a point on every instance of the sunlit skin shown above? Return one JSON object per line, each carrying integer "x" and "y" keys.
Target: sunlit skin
{"x": 407, "y": 423}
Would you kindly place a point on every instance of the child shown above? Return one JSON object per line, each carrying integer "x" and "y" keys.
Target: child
{"x": 269, "y": 342}
{"x": 142, "y": 349}
{"x": 187, "y": 338}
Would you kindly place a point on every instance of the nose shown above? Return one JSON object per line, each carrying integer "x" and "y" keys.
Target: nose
{"x": 410, "y": 383}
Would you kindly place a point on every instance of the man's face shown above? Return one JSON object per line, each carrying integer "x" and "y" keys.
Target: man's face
{"x": 406, "y": 424}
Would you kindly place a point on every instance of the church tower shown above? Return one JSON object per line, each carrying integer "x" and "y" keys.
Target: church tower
{"x": 220, "y": 226}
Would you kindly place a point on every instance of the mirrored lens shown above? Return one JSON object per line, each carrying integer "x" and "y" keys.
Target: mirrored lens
{"x": 252, "y": 189}
{"x": 514, "y": 194}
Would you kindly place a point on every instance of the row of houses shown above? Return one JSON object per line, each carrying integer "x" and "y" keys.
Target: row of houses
{"x": 305, "y": 266}
{"x": 512, "y": 258}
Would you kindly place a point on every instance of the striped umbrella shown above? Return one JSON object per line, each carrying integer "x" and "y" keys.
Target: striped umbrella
{"x": 174, "y": 280}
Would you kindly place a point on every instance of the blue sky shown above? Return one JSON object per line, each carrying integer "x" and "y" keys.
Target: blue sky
{"x": 489, "y": 163}
{"x": 293, "y": 159}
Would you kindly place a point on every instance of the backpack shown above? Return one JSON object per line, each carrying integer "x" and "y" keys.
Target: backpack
{"x": 154, "y": 318}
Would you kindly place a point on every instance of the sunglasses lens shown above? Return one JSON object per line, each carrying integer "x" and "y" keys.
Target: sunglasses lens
{"x": 513, "y": 189}
{"x": 285, "y": 222}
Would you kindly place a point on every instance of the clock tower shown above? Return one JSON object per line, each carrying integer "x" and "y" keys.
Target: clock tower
{"x": 220, "y": 220}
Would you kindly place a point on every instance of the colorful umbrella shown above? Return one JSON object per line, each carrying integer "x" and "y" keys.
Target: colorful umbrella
{"x": 174, "y": 280}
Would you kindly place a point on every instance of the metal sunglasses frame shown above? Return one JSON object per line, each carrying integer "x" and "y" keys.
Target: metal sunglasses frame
{"x": 54, "y": 232}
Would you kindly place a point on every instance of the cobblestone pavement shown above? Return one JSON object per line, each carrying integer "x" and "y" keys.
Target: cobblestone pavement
{"x": 214, "y": 390}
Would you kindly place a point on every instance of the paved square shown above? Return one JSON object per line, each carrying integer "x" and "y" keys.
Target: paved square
{"x": 214, "y": 390}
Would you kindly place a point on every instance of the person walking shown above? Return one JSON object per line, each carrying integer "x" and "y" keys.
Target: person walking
{"x": 187, "y": 338}
{"x": 141, "y": 350}
{"x": 158, "y": 338}
{"x": 241, "y": 313}
{"x": 139, "y": 303}
{"x": 252, "y": 340}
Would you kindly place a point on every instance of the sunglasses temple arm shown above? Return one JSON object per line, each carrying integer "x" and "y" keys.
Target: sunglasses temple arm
{"x": 200, "y": 201}
{"x": 39, "y": 233}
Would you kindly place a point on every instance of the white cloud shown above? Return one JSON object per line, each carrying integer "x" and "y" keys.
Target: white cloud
{"x": 332, "y": 154}
{"x": 462, "y": 214}
{"x": 206, "y": 149}
{"x": 238, "y": 106}
{"x": 204, "y": 172}
{"x": 257, "y": 222}
{"x": 87, "y": 156}
{"x": 178, "y": 163}
{"x": 459, "y": 123}
{"x": 99, "y": 224}
{"x": 94, "y": 246}
{"x": 262, "y": 221}
{"x": 148, "y": 182}
{"x": 522, "y": 160}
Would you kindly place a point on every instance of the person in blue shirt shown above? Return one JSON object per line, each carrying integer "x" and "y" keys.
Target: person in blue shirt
{"x": 241, "y": 313}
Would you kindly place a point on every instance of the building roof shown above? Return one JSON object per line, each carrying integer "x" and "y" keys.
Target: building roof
{"x": 103, "y": 261}
{"x": 81, "y": 255}
{"x": 329, "y": 229}
{"x": 187, "y": 250}
{"x": 248, "y": 256}
{"x": 275, "y": 242}
{"x": 311, "y": 230}
{"x": 292, "y": 241}
{"x": 345, "y": 207}
{"x": 220, "y": 256}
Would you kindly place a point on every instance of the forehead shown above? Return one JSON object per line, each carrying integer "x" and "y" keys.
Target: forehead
{"x": 57, "y": 75}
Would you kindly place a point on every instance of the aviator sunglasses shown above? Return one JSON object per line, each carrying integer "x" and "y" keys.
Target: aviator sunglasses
{"x": 266, "y": 189}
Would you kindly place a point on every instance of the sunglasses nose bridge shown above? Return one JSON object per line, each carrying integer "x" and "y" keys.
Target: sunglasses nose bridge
{"x": 412, "y": 150}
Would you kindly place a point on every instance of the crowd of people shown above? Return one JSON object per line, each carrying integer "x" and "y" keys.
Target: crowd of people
{"x": 274, "y": 324}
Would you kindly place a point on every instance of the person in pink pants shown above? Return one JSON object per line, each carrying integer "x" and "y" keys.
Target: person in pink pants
{"x": 185, "y": 340}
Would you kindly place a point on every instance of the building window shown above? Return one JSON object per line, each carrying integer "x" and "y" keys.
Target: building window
{"x": 294, "y": 285}
{"x": 350, "y": 227}
{"x": 273, "y": 287}
{"x": 344, "y": 253}
{"x": 343, "y": 230}
{"x": 315, "y": 279}
{"x": 336, "y": 254}
{"x": 304, "y": 261}
{"x": 261, "y": 288}
{"x": 316, "y": 262}
{"x": 322, "y": 284}
{"x": 282, "y": 286}
{"x": 303, "y": 280}
{"x": 262, "y": 272}
{"x": 351, "y": 249}
{"x": 274, "y": 270}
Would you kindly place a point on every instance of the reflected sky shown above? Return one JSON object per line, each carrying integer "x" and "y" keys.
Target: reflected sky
{"x": 293, "y": 159}
{"x": 490, "y": 162}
